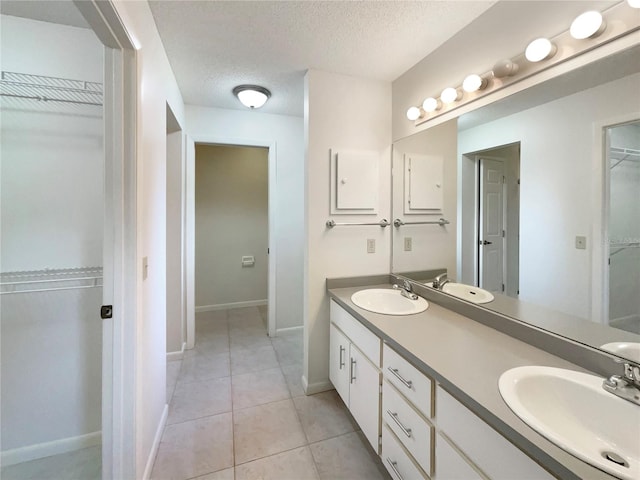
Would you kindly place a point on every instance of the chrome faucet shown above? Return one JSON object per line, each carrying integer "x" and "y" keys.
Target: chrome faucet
{"x": 440, "y": 281}
{"x": 626, "y": 386}
{"x": 406, "y": 290}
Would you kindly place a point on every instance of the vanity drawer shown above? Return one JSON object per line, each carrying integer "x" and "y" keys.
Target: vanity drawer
{"x": 357, "y": 333}
{"x": 450, "y": 465}
{"x": 493, "y": 454}
{"x": 409, "y": 381}
{"x": 411, "y": 429}
{"x": 395, "y": 459}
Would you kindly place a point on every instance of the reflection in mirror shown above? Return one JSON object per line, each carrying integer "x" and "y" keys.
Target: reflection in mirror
{"x": 542, "y": 214}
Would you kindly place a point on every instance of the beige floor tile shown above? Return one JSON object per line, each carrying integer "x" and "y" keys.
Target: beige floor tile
{"x": 227, "y": 474}
{"x": 198, "y": 365}
{"x": 249, "y": 340}
{"x": 266, "y": 430}
{"x": 324, "y": 416}
{"x": 293, "y": 376}
{"x": 218, "y": 316}
{"x": 292, "y": 465}
{"x": 210, "y": 344}
{"x": 257, "y": 388}
{"x": 84, "y": 464}
{"x": 347, "y": 457}
{"x": 173, "y": 371}
{"x": 288, "y": 353}
{"x": 194, "y": 448}
{"x": 258, "y": 358}
{"x": 198, "y": 399}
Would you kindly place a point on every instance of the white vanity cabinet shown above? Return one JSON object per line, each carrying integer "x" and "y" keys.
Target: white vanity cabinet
{"x": 482, "y": 448}
{"x": 354, "y": 370}
{"x": 407, "y": 407}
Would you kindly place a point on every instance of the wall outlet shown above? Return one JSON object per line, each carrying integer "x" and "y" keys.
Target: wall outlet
{"x": 408, "y": 244}
{"x": 581, "y": 242}
{"x": 371, "y": 245}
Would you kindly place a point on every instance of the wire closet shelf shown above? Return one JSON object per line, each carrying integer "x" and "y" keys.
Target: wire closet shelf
{"x": 50, "y": 89}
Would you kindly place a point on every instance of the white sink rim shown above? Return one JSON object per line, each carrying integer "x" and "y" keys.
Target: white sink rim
{"x": 468, "y": 292}
{"x": 593, "y": 442}
{"x": 388, "y": 301}
{"x": 630, "y": 350}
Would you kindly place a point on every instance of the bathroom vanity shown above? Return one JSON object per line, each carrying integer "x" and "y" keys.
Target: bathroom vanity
{"x": 424, "y": 390}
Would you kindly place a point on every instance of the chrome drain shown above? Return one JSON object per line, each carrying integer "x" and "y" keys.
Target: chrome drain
{"x": 615, "y": 458}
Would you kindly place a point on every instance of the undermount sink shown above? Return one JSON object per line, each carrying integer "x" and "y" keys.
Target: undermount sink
{"x": 572, "y": 410}
{"x": 630, "y": 350}
{"x": 468, "y": 292}
{"x": 388, "y": 301}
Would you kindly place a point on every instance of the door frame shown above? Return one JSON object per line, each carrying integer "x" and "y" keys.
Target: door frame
{"x": 600, "y": 230}
{"x": 190, "y": 222}
{"x": 119, "y": 332}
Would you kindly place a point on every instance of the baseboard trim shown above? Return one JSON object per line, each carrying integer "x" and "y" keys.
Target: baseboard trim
{"x": 318, "y": 387}
{"x": 156, "y": 443}
{"x": 172, "y": 356}
{"x": 47, "y": 449}
{"x": 225, "y": 306}
{"x": 289, "y": 330}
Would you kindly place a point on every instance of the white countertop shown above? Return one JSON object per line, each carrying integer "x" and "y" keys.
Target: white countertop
{"x": 467, "y": 358}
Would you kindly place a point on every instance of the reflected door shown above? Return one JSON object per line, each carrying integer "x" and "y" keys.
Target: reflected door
{"x": 491, "y": 221}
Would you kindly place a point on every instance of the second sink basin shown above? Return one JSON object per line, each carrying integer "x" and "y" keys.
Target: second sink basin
{"x": 572, "y": 410}
{"x": 468, "y": 292}
{"x": 388, "y": 301}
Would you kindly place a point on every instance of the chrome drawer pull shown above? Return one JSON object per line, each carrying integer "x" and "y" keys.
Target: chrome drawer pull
{"x": 394, "y": 416}
{"x": 342, "y": 349}
{"x": 407, "y": 383}
{"x": 352, "y": 373}
{"x": 393, "y": 464}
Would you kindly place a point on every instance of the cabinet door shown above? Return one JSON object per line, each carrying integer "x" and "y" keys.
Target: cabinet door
{"x": 450, "y": 465}
{"x": 339, "y": 362}
{"x": 364, "y": 395}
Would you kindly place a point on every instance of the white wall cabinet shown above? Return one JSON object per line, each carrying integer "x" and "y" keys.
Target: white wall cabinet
{"x": 354, "y": 374}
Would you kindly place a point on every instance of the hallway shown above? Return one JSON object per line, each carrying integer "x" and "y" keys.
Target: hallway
{"x": 237, "y": 410}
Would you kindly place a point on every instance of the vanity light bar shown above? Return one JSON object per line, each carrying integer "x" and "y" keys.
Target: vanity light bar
{"x": 584, "y": 29}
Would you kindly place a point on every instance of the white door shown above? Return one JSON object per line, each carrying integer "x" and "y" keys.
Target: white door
{"x": 490, "y": 243}
{"x": 339, "y": 362}
{"x": 364, "y": 395}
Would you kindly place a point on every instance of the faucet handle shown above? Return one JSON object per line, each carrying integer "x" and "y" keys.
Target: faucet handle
{"x": 632, "y": 373}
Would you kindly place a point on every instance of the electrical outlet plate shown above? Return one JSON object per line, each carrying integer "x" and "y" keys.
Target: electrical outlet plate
{"x": 581, "y": 242}
{"x": 408, "y": 244}
{"x": 371, "y": 245}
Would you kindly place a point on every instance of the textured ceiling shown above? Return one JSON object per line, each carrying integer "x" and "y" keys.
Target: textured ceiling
{"x": 215, "y": 45}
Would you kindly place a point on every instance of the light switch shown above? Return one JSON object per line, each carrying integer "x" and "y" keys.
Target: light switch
{"x": 371, "y": 245}
{"x": 581, "y": 242}
{"x": 248, "y": 261}
{"x": 408, "y": 244}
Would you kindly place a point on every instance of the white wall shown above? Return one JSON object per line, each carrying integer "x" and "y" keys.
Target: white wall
{"x": 350, "y": 113}
{"x": 232, "y": 221}
{"x": 176, "y": 321}
{"x": 156, "y": 87}
{"x": 433, "y": 246}
{"x": 556, "y": 197}
{"x": 51, "y": 187}
{"x": 237, "y": 127}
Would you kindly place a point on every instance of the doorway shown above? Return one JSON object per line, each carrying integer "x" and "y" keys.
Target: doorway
{"x": 622, "y": 173}
{"x": 232, "y": 228}
{"x": 494, "y": 176}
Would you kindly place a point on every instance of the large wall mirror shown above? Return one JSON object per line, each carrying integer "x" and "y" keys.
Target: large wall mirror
{"x": 535, "y": 198}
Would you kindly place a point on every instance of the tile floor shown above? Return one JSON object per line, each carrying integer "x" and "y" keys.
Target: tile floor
{"x": 237, "y": 411}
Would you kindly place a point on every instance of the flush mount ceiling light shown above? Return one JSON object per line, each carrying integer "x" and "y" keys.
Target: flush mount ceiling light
{"x": 431, "y": 104}
{"x": 587, "y": 25}
{"x": 414, "y": 113}
{"x": 505, "y": 68}
{"x": 450, "y": 95}
{"x": 540, "y": 49}
{"x": 252, "y": 96}
{"x": 473, "y": 83}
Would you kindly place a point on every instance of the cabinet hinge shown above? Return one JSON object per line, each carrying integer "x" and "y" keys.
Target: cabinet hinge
{"x": 380, "y": 441}
{"x": 503, "y": 287}
{"x": 380, "y": 389}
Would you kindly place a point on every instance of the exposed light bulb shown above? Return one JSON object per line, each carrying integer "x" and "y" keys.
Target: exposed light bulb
{"x": 413, "y": 113}
{"x": 473, "y": 83}
{"x": 431, "y": 104}
{"x": 634, "y": 3}
{"x": 505, "y": 68}
{"x": 450, "y": 95}
{"x": 587, "y": 25}
{"x": 540, "y": 49}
